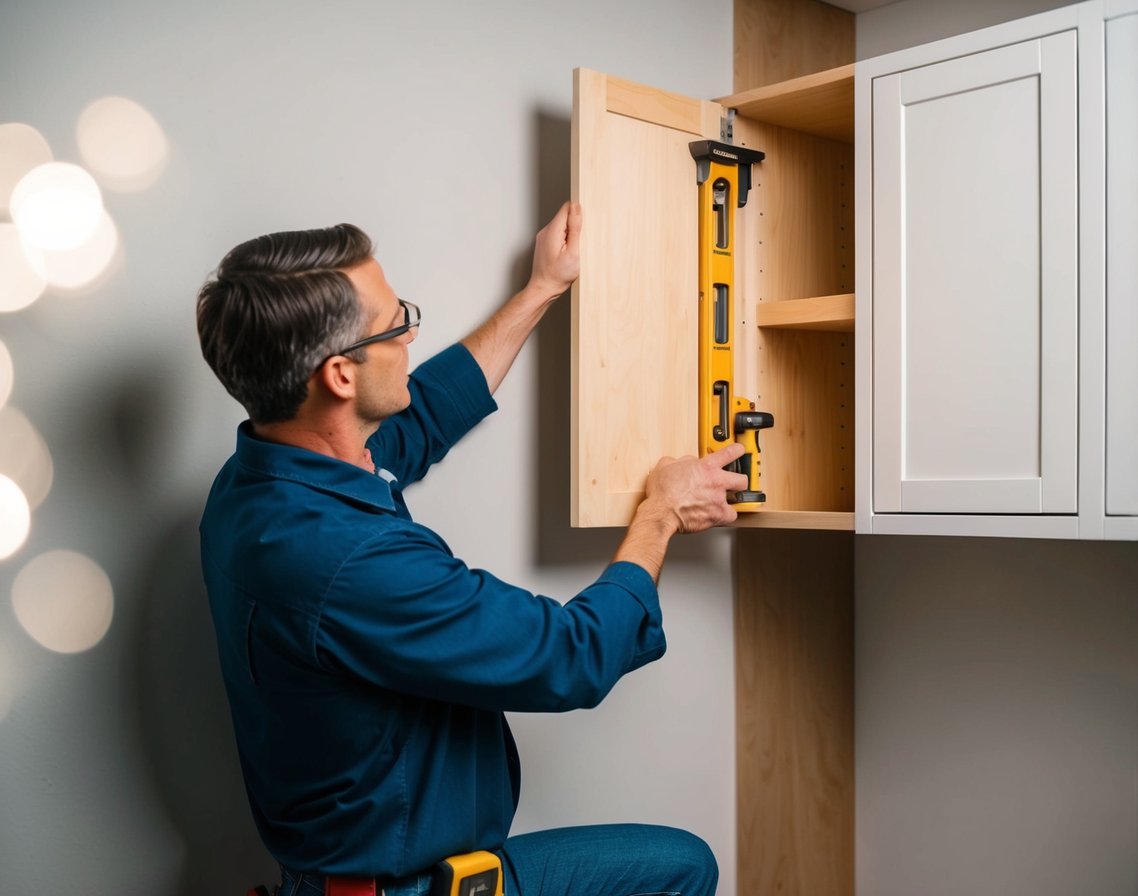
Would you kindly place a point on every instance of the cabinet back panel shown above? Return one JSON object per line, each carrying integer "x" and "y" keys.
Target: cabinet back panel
{"x": 796, "y": 233}
{"x": 806, "y": 381}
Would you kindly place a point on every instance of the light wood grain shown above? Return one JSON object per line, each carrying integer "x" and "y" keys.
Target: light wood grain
{"x": 832, "y": 313}
{"x": 797, "y": 238}
{"x": 794, "y": 716}
{"x": 794, "y": 589}
{"x": 797, "y": 519}
{"x": 777, "y": 40}
{"x": 670, "y": 110}
{"x": 634, "y": 307}
{"x": 819, "y": 104}
{"x": 634, "y": 335}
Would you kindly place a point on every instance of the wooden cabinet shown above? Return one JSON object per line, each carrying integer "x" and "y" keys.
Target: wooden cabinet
{"x": 987, "y": 352}
{"x": 1122, "y": 273}
{"x": 634, "y": 307}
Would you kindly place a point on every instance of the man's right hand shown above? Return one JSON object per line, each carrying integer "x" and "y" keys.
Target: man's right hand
{"x": 686, "y": 494}
{"x": 694, "y": 490}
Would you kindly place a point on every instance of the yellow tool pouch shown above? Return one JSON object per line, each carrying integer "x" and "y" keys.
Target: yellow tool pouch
{"x": 472, "y": 874}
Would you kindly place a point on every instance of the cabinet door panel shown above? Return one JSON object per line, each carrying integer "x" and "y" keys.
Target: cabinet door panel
{"x": 976, "y": 292}
{"x": 635, "y": 303}
{"x": 1122, "y": 266}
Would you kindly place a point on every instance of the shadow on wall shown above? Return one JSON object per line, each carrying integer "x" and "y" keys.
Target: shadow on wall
{"x": 185, "y": 723}
{"x": 557, "y": 543}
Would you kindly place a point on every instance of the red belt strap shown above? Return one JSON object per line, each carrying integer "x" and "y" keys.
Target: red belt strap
{"x": 350, "y": 886}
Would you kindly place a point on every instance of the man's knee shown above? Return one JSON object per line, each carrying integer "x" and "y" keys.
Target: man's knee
{"x": 692, "y": 864}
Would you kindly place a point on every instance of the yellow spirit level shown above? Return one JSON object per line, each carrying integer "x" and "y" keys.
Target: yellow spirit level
{"x": 723, "y": 172}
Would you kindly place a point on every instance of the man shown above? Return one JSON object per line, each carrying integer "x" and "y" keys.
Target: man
{"x": 368, "y": 669}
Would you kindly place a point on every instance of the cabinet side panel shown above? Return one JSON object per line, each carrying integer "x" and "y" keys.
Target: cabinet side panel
{"x": 776, "y": 40}
{"x": 1122, "y": 265}
{"x": 635, "y": 303}
{"x": 794, "y": 715}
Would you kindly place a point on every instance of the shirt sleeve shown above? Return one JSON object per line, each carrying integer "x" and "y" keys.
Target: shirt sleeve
{"x": 406, "y": 615}
{"x": 449, "y": 396}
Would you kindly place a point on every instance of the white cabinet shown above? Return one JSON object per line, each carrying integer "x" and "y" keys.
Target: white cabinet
{"x": 1122, "y": 275}
{"x": 981, "y": 384}
{"x": 976, "y": 297}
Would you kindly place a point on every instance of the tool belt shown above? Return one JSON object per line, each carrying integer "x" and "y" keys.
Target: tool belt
{"x": 471, "y": 874}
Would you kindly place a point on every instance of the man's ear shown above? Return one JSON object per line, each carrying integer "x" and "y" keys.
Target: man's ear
{"x": 338, "y": 376}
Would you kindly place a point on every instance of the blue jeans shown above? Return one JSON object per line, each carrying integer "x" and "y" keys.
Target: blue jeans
{"x": 599, "y": 860}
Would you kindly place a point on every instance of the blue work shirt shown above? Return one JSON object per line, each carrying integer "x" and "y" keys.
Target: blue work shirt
{"x": 368, "y": 668}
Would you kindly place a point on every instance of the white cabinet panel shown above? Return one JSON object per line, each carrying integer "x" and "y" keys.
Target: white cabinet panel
{"x": 975, "y": 292}
{"x": 1122, "y": 266}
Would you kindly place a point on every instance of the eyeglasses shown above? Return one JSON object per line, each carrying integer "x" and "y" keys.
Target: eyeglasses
{"x": 411, "y": 318}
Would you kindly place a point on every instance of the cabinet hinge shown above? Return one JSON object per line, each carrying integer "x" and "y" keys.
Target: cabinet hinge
{"x": 727, "y": 127}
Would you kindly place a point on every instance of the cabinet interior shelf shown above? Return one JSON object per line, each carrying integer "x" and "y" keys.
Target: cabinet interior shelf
{"x": 829, "y": 313}
{"x": 840, "y": 521}
{"x": 821, "y": 104}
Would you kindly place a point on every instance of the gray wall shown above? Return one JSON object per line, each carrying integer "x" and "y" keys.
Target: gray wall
{"x": 443, "y": 129}
{"x": 907, "y": 23}
{"x": 997, "y": 680}
{"x": 997, "y": 717}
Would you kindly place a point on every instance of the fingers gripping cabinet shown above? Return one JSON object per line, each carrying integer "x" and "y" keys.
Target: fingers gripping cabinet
{"x": 723, "y": 172}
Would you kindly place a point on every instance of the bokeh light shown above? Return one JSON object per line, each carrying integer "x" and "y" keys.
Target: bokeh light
{"x": 64, "y": 600}
{"x": 20, "y": 285}
{"x": 15, "y": 517}
{"x": 22, "y": 148}
{"x": 56, "y": 206}
{"x": 82, "y": 265}
{"x": 122, "y": 143}
{"x": 24, "y": 455}
{"x": 7, "y": 374}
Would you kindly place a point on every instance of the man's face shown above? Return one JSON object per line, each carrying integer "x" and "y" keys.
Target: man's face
{"x": 382, "y": 385}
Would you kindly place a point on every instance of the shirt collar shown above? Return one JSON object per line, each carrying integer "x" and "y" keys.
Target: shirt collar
{"x": 315, "y": 470}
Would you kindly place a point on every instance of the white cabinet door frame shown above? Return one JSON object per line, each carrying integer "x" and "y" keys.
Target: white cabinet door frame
{"x": 978, "y": 410}
{"x": 1049, "y": 502}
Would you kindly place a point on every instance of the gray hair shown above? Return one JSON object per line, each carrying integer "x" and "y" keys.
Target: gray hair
{"x": 276, "y": 308}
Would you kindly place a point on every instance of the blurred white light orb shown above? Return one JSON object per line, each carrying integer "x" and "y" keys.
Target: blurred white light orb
{"x": 24, "y": 455}
{"x": 64, "y": 600}
{"x": 15, "y": 518}
{"x": 79, "y": 266}
{"x": 122, "y": 143}
{"x": 7, "y": 374}
{"x": 20, "y": 284}
{"x": 56, "y": 206}
{"x": 22, "y": 148}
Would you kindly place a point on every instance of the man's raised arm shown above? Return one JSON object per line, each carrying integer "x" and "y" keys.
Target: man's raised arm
{"x": 556, "y": 263}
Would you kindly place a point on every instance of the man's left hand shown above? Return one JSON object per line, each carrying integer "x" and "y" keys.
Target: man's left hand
{"x": 556, "y": 254}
